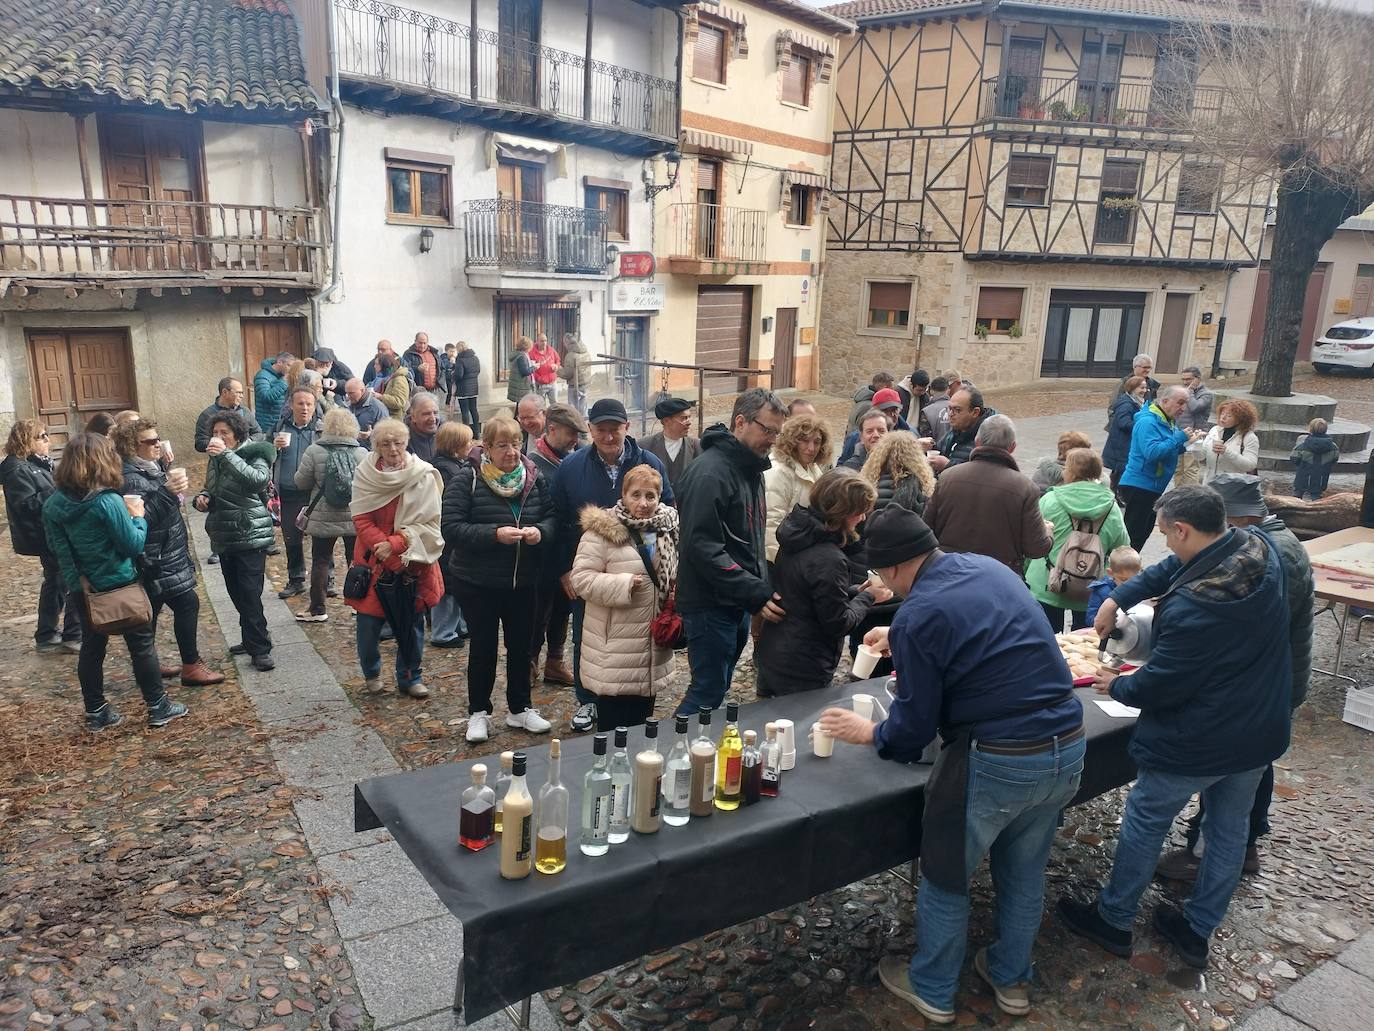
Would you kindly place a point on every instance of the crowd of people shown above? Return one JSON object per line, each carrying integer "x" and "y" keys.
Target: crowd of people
{"x": 917, "y": 535}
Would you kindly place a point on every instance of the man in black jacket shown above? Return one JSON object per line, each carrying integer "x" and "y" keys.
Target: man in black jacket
{"x": 966, "y": 413}
{"x": 230, "y": 399}
{"x": 723, "y": 573}
{"x": 332, "y": 369}
{"x": 553, "y": 608}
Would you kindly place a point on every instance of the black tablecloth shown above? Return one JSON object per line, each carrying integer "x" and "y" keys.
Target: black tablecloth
{"x": 836, "y": 821}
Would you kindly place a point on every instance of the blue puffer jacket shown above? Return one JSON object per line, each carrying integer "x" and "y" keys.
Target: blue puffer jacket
{"x": 1215, "y": 693}
{"x": 1156, "y": 444}
{"x": 94, "y": 536}
{"x": 1119, "y": 427}
{"x": 269, "y": 394}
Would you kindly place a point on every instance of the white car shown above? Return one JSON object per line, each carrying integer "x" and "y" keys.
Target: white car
{"x": 1346, "y": 345}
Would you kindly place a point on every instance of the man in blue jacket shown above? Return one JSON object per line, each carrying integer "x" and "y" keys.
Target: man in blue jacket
{"x": 591, "y": 476}
{"x": 1156, "y": 443}
{"x": 1214, "y": 713}
{"x": 269, "y": 390}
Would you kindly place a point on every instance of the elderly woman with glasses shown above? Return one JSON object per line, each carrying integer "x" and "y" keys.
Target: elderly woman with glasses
{"x": 27, "y": 476}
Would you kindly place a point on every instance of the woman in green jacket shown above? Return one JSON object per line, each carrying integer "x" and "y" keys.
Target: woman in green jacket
{"x": 1082, "y": 496}
{"x": 96, "y": 535}
{"x": 239, "y": 525}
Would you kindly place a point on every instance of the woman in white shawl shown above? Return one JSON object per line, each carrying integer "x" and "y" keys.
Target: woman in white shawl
{"x": 395, "y": 509}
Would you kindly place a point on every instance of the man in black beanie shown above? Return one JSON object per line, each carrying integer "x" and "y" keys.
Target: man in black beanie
{"x": 975, "y": 660}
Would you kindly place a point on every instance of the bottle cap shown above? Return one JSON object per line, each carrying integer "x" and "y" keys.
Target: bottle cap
{"x": 555, "y": 749}
{"x": 750, "y": 737}
{"x": 506, "y": 759}
{"x": 771, "y": 729}
{"x": 479, "y": 774}
{"x": 704, "y": 716}
{"x": 518, "y": 764}
{"x": 622, "y": 735}
{"x": 651, "y": 729}
{"x": 732, "y": 712}
{"x": 681, "y": 723}
{"x": 599, "y": 744}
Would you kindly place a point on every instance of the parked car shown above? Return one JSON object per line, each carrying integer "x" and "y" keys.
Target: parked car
{"x": 1346, "y": 345}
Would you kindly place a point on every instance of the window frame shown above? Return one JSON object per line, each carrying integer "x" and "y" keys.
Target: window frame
{"x": 596, "y": 194}
{"x": 1211, "y": 169}
{"x": 1048, "y": 161}
{"x": 901, "y": 324}
{"x": 796, "y": 56}
{"x": 724, "y": 30}
{"x": 810, "y": 205}
{"x": 417, "y": 165}
{"x": 995, "y": 324}
{"x": 1104, "y": 192}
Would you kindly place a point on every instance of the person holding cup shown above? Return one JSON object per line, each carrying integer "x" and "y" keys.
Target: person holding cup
{"x": 169, "y": 575}
{"x": 812, "y": 576}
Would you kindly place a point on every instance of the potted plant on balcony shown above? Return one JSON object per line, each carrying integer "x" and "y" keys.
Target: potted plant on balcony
{"x": 1120, "y": 205}
{"x": 1015, "y": 331}
{"x": 1059, "y": 111}
{"x": 980, "y": 331}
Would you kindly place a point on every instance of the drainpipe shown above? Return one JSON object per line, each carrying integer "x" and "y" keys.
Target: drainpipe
{"x": 1221, "y": 325}
{"x": 336, "y": 106}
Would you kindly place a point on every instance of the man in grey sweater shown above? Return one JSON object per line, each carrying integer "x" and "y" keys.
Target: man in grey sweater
{"x": 1196, "y": 414}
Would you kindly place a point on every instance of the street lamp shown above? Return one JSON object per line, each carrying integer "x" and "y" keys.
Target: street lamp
{"x": 673, "y": 160}
{"x": 426, "y": 240}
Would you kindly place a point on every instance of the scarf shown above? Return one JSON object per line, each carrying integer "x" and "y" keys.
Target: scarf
{"x": 420, "y": 489}
{"x": 503, "y": 485}
{"x": 152, "y": 470}
{"x": 663, "y": 523}
{"x": 542, "y": 446}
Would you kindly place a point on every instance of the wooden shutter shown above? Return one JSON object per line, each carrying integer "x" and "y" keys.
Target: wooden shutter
{"x": 708, "y": 59}
{"x": 1120, "y": 176}
{"x": 999, "y": 302}
{"x": 889, "y": 296}
{"x": 794, "y": 79}
{"x": 1024, "y": 170}
{"x": 708, "y": 175}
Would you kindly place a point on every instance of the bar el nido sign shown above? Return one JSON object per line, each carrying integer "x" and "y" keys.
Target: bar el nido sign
{"x": 638, "y": 296}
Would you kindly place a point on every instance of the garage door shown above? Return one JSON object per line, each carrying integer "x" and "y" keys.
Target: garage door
{"x": 723, "y": 318}
{"x": 77, "y": 373}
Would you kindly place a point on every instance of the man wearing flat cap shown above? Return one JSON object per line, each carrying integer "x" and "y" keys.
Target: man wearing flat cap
{"x": 989, "y": 676}
{"x": 673, "y": 445}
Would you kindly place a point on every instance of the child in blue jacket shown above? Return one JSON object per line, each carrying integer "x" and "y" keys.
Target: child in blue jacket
{"x": 1315, "y": 456}
{"x": 1122, "y": 564}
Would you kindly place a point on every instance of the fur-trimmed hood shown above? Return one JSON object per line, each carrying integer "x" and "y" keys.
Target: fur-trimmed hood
{"x": 603, "y": 523}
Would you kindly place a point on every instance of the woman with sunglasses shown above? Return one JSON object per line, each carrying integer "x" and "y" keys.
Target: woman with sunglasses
{"x": 169, "y": 575}
{"x": 26, "y": 474}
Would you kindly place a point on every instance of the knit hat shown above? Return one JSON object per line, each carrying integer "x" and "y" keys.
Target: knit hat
{"x": 896, "y": 535}
{"x": 1241, "y": 495}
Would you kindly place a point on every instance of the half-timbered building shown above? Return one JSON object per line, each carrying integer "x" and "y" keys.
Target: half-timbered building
{"x": 1020, "y": 191}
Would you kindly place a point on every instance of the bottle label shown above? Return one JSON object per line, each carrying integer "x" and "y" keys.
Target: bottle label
{"x": 620, "y": 798}
{"x": 523, "y": 852}
{"x": 732, "y": 775}
{"x": 601, "y": 817}
{"x": 770, "y": 774}
{"x": 682, "y": 789}
{"x": 708, "y": 789}
{"x": 657, "y": 799}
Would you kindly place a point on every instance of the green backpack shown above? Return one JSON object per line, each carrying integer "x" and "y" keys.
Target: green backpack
{"x": 338, "y": 475}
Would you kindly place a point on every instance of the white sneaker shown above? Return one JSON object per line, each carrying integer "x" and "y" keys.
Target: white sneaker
{"x": 584, "y": 718}
{"x": 479, "y": 727}
{"x": 528, "y": 720}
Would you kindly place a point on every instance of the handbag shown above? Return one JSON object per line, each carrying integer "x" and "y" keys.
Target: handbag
{"x": 665, "y": 628}
{"x": 113, "y": 611}
{"x": 358, "y": 580}
{"x": 303, "y": 516}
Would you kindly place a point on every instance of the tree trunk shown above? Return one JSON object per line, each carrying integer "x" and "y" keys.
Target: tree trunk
{"x": 1309, "y": 212}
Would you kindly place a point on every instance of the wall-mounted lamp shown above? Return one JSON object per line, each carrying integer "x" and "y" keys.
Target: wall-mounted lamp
{"x": 426, "y": 240}
{"x": 673, "y": 161}
{"x": 767, "y": 324}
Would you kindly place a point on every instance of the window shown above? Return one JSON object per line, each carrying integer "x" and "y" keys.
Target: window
{"x": 614, "y": 200}
{"x": 528, "y": 317}
{"x": 1028, "y": 180}
{"x": 889, "y": 305}
{"x": 1198, "y": 186}
{"x": 796, "y": 80}
{"x": 1118, "y": 202}
{"x": 708, "y": 58}
{"x": 418, "y": 188}
{"x": 999, "y": 308}
{"x": 801, "y": 205}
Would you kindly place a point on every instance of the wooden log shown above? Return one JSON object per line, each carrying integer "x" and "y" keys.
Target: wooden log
{"x": 1308, "y": 519}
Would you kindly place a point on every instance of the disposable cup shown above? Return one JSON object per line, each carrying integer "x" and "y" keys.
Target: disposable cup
{"x": 865, "y": 661}
{"x": 821, "y": 742}
{"x": 134, "y": 503}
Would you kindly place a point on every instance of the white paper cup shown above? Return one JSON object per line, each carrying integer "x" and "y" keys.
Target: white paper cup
{"x": 787, "y": 743}
{"x": 134, "y": 503}
{"x": 822, "y": 744}
{"x": 863, "y": 705}
{"x": 788, "y": 760}
{"x": 865, "y": 661}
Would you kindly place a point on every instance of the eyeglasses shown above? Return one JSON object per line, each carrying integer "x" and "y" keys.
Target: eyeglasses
{"x": 43, "y": 435}
{"x": 150, "y": 440}
{"x": 771, "y": 433}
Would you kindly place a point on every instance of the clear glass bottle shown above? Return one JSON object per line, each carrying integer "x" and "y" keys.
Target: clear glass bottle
{"x": 551, "y": 845}
{"x": 729, "y": 751}
{"x": 771, "y": 781}
{"x": 478, "y": 813}
{"x": 502, "y": 786}
{"x": 517, "y": 850}
{"x": 646, "y": 790}
{"x": 622, "y": 774}
{"x": 596, "y": 803}
{"x": 677, "y": 778}
{"x": 703, "y": 767}
{"x": 751, "y": 768}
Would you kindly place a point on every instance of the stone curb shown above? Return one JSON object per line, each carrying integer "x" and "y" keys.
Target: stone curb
{"x": 1336, "y": 996}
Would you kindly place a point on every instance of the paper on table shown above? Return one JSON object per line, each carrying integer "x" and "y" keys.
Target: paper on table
{"x": 1114, "y": 708}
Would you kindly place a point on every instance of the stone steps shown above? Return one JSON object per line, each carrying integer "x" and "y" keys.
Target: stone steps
{"x": 1277, "y": 461}
{"x": 1348, "y": 434}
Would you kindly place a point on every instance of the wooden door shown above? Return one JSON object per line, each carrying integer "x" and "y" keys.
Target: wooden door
{"x": 520, "y": 186}
{"x": 77, "y": 373}
{"x": 267, "y": 338}
{"x": 517, "y": 55}
{"x": 1311, "y": 308}
{"x": 723, "y": 320}
{"x": 156, "y": 165}
{"x": 785, "y": 349}
{"x": 708, "y": 208}
{"x": 1173, "y": 328}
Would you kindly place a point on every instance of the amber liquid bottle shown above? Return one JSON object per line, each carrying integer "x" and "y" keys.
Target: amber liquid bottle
{"x": 703, "y": 755}
{"x": 729, "y": 753}
{"x": 551, "y": 842}
{"x": 517, "y": 840}
{"x": 751, "y": 767}
{"x": 478, "y": 814}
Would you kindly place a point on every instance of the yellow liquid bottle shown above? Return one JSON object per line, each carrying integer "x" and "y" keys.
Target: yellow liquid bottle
{"x": 551, "y": 840}
{"x": 730, "y": 762}
{"x": 550, "y": 851}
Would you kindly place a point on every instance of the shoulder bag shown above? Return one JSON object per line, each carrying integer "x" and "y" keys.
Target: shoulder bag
{"x": 665, "y": 628}
{"x": 114, "y": 611}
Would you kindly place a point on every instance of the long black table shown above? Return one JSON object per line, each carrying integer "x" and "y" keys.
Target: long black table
{"x": 836, "y": 821}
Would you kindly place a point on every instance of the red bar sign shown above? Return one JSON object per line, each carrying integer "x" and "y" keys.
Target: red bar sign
{"x": 636, "y": 264}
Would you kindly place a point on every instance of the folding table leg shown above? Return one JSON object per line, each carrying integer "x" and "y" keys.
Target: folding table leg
{"x": 522, "y": 1019}
{"x": 1341, "y": 619}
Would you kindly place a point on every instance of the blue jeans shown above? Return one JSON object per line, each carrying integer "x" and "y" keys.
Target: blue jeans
{"x": 446, "y": 620}
{"x": 369, "y": 632}
{"x": 1154, "y": 801}
{"x": 715, "y": 638}
{"x": 1012, "y": 808}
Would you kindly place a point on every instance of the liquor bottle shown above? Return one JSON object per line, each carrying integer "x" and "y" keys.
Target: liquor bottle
{"x": 596, "y": 803}
{"x": 728, "y": 752}
{"x": 677, "y": 780}
{"x": 647, "y": 787}
{"x": 502, "y": 786}
{"x": 751, "y": 768}
{"x": 551, "y": 846}
{"x": 517, "y": 852}
{"x": 771, "y": 782}
{"x": 703, "y": 767}
{"x": 621, "y": 776}
{"x": 478, "y": 814}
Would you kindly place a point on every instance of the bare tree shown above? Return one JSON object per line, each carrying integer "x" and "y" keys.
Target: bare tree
{"x": 1299, "y": 107}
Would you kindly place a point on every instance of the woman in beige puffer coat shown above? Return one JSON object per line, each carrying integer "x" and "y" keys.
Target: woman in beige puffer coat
{"x": 618, "y": 660}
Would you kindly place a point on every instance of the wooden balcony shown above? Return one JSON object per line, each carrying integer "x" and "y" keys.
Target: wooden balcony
{"x": 1063, "y": 101}
{"x": 180, "y": 243}
{"x": 715, "y": 239}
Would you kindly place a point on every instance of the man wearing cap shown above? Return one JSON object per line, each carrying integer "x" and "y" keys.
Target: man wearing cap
{"x": 887, "y": 401}
{"x": 991, "y": 679}
{"x": 1244, "y": 501}
{"x": 563, "y": 424}
{"x": 673, "y": 445}
{"x": 591, "y": 476}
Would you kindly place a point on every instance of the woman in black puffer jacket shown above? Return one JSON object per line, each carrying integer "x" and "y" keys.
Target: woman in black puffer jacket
{"x": 169, "y": 575}
{"x": 26, "y": 474}
{"x": 898, "y": 469}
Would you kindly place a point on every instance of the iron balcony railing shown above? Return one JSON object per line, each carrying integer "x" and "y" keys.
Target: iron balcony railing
{"x": 511, "y": 234}
{"x": 65, "y": 236}
{"x": 387, "y": 43}
{"x": 714, "y": 232}
{"x": 1141, "y": 104}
